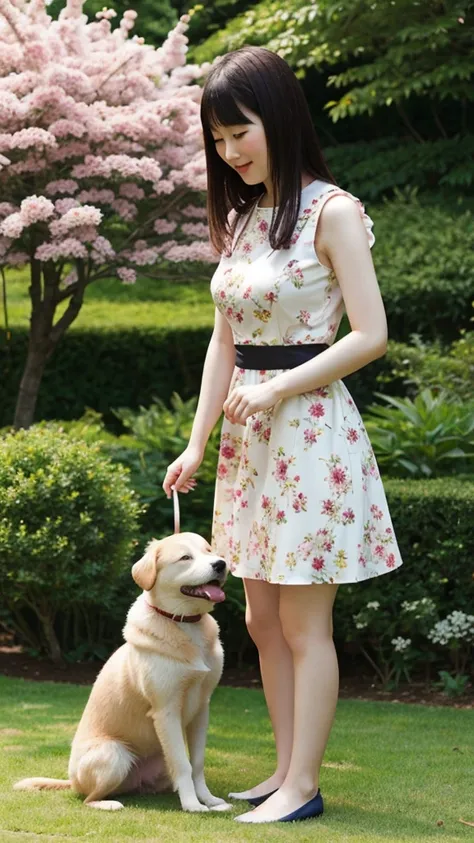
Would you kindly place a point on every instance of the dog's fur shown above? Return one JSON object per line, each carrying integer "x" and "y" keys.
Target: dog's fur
{"x": 154, "y": 690}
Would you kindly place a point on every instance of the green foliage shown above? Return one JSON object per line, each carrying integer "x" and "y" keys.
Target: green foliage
{"x": 424, "y": 257}
{"x": 373, "y": 168}
{"x": 433, "y": 525}
{"x": 210, "y": 18}
{"x": 426, "y": 436}
{"x": 397, "y": 50}
{"x": 429, "y": 365}
{"x": 452, "y": 686}
{"x": 67, "y": 521}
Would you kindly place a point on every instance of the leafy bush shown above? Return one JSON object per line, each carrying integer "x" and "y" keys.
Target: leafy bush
{"x": 68, "y": 518}
{"x": 433, "y": 524}
{"x": 424, "y": 256}
{"x": 427, "y": 436}
{"x": 429, "y": 365}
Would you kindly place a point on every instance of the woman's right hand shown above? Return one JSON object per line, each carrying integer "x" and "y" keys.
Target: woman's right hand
{"x": 180, "y": 472}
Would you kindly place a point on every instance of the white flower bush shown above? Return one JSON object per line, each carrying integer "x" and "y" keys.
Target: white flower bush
{"x": 401, "y": 644}
{"x": 456, "y": 627}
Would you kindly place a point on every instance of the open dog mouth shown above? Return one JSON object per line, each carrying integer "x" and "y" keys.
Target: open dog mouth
{"x": 211, "y": 590}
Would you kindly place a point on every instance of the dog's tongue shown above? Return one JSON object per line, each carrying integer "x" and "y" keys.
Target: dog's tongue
{"x": 212, "y": 592}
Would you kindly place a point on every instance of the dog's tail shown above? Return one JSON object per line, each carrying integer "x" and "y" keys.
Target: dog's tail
{"x": 43, "y": 784}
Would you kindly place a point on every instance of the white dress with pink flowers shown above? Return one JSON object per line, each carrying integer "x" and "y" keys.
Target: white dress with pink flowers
{"x": 299, "y": 498}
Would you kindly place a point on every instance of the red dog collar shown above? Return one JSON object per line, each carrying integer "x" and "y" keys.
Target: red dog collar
{"x": 177, "y": 618}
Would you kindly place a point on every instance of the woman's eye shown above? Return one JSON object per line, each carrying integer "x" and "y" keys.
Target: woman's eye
{"x": 240, "y": 135}
{"x": 217, "y": 140}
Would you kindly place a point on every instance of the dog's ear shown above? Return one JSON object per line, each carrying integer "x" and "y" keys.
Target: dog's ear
{"x": 144, "y": 571}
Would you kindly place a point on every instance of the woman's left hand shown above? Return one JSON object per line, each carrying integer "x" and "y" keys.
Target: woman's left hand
{"x": 244, "y": 401}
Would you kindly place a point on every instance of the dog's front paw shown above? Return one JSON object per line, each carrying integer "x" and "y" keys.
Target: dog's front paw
{"x": 195, "y": 808}
{"x": 215, "y": 803}
{"x": 221, "y": 806}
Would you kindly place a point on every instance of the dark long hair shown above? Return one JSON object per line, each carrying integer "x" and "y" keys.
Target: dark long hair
{"x": 262, "y": 82}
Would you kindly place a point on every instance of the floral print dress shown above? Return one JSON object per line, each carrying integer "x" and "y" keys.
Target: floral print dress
{"x": 299, "y": 498}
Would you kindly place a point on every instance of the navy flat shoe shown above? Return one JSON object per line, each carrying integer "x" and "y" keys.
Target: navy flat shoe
{"x": 313, "y": 808}
{"x": 255, "y": 801}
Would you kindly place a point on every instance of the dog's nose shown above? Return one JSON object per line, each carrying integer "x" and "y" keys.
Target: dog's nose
{"x": 219, "y": 567}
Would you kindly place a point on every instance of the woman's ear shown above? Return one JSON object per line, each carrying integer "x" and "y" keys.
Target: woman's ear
{"x": 144, "y": 571}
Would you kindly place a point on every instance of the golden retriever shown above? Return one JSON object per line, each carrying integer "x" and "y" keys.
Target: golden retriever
{"x": 152, "y": 695}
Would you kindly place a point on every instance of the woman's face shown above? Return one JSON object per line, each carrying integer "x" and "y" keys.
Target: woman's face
{"x": 244, "y": 147}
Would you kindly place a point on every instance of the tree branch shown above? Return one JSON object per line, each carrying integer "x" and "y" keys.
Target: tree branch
{"x": 407, "y": 122}
{"x": 73, "y": 307}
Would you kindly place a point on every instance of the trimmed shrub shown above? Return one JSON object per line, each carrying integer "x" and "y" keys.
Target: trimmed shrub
{"x": 68, "y": 518}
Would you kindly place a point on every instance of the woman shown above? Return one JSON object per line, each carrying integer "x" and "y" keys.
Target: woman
{"x": 299, "y": 506}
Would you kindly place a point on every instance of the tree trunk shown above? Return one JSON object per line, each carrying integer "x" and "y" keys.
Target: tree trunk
{"x": 54, "y": 647}
{"x": 44, "y": 335}
{"x": 29, "y": 386}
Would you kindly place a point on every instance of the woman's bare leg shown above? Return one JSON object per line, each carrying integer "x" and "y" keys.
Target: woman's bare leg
{"x": 306, "y": 618}
{"x": 276, "y": 667}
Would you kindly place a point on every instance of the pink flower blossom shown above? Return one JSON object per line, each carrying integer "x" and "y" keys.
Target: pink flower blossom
{"x": 165, "y": 226}
{"x": 227, "y": 452}
{"x": 68, "y": 248}
{"x": 61, "y": 186}
{"x": 281, "y": 470}
{"x": 127, "y": 275}
{"x": 318, "y": 563}
{"x": 36, "y": 209}
{"x": 316, "y": 410}
{"x": 338, "y": 476}
{"x": 310, "y": 436}
{"x": 96, "y": 118}
{"x": 12, "y": 226}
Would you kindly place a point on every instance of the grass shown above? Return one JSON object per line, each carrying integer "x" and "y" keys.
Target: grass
{"x": 391, "y": 773}
{"x": 147, "y": 304}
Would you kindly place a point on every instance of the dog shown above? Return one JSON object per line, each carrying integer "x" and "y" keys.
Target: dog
{"x": 155, "y": 689}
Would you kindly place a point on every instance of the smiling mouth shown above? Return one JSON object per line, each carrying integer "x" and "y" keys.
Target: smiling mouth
{"x": 211, "y": 591}
{"x": 243, "y": 166}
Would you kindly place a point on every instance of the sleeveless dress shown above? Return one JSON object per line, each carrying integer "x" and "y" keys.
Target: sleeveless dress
{"x": 298, "y": 497}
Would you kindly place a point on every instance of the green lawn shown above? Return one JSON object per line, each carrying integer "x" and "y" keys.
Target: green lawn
{"x": 148, "y": 303}
{"x": 391, "y": 772}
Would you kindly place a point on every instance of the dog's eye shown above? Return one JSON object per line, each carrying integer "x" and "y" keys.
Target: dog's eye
{"x": 185, "y": 558}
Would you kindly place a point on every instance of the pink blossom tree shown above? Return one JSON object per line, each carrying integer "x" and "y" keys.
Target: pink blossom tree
{"x": 102, "y": 170}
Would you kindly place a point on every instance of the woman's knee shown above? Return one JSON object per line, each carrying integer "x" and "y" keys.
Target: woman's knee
{"x": 261, "y": 613}
{"x": 263, "y": 625}
{"x": 306, "y": 617}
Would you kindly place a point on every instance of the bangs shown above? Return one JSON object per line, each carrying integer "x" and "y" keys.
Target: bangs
{"x": 219, "y": 105}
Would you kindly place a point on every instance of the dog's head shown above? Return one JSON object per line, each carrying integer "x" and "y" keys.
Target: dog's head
{"x": 182, "y": 574}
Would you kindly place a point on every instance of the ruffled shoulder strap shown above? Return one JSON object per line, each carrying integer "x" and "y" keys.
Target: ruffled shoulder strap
{"x": 328, "y": 194}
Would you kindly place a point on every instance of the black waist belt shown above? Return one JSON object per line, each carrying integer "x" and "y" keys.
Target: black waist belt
{"x": 276, "y": 356}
